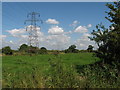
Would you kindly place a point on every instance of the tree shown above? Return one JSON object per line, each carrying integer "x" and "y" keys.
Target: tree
{"x": 90, "y": 48}
{"x": 71, "y": 49}
{"x": 7, "y": 50}
{"x": 43, "y": 50}
{"x": 108, "y": 39}
{"x": 32, "y": 49}
{"x": 23, "y": 47}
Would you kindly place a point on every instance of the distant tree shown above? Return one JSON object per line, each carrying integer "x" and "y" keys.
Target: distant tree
{"x": 0, "y": 50}
{"x": 23, "y": 47}
{"x": 32, "y": 49}
{"x": 7, "y": 50}
{"x": 108, "y": 39}
{"x": 42, "y": 50}
{"x": 90, "y": 48}
{"x": 72, "y": 49}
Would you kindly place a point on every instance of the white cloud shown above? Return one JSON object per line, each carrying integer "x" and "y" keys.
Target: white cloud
{"x": 23, "y": 32}
{"x": 89, "y": 25}
{"x": 57, "y": 41}
{"x": 59, "y": 38}
{"x": 84, "y": 41}
{"x": 11, "y": 41}
{"x": 56, "y": 30}
{"x": 69, "y": 32}
{"x": 16, "y": 32}
{"x": 3, "y": 37}
{"x": 81, "y": 29}
{"x": 52, "y": 21}
{"x": 86, "y": 35}
{"x": 75, "y": 23}
{"x": 22, "y": 36}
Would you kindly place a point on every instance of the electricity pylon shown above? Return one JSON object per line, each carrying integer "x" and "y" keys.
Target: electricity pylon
{"x": 33, "y": 29}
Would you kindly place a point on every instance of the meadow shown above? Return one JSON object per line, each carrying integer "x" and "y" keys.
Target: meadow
{"x": 32, "y": 71}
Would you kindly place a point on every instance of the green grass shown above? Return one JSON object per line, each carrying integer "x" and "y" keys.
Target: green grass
{"x": 21, "y": 69}
{"x": 18, "y": 63}
{"x": 79, "y": 58}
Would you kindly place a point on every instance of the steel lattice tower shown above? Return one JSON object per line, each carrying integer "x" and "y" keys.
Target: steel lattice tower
{"x": 33, "y": 29}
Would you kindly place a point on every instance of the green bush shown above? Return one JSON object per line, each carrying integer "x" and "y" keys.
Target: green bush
{"x": 24, "y": 47}
{"x": 71, "y": 49}
{"x": 100, "y": 75}
{"x": 43, "y": 50}
{"x": 7, "y": 50}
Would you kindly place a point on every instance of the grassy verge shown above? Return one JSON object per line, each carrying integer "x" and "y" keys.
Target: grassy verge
{"x": 38, "y": 72}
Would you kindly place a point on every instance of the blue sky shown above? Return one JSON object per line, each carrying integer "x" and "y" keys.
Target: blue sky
{"x": 84, "y": 13}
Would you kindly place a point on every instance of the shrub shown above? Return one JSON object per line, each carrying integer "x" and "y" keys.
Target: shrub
{"x": 7, "y": 50}
{"x": 43, "y": 50}
{"x": 71, "y": 49}
{"x": 100, "y": 75}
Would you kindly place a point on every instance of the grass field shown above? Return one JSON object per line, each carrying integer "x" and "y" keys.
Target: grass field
{"x": 22, "y": 69}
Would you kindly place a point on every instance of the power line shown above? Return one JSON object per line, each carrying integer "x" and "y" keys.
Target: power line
{"x": 33, "y": 29}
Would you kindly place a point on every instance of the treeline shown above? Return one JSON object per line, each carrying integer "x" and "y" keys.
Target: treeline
{"x": 25, "y": 49}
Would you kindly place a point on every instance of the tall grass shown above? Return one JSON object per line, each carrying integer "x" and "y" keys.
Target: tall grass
{"x": 58, "y": 71}
{"x": 101, "y": 75}
{"x": 60, "y": 75}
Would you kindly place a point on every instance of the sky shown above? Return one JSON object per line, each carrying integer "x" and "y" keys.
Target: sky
{"x": 57, "y": 0}
{"x": 64, "y": 23}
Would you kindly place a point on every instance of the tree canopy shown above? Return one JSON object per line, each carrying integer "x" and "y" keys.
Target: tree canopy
{"x": 71, "y": 49}
{"x": 23, "y": 47}
{"x": 108, "y": 39}
{"x": 90, "y": 48}
{"x": 7, "y": 50}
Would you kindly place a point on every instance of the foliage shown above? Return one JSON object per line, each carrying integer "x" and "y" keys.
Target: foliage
{"x": 23, "y": 71}
{"x": 90, "y": 48}
{"x": 61, "y": 76}
{"x": 43, "y": 50}
{"x": 0, "y": 50}
{"x": 7, "y": 50}
{"x": 23, "y": 78}
{"x": 100, "y": 75}
{"x": 23, "y": 47}
{"x": 108, "y": 39}
{"x": 71, "y": 49}
{"x": 28, "y": 49}
{"x": 50, "y": 71}
{"x": 33, "y": 50}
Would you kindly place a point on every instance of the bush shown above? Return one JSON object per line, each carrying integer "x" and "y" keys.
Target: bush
{"x": 100, "y": 75}
{"x": 7, "y": 50}
{"x": 43, "y": 50}
{"x": 71, "y": 49}
{"x": 90, "y": 48}
{"x": 24, "y": 47}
